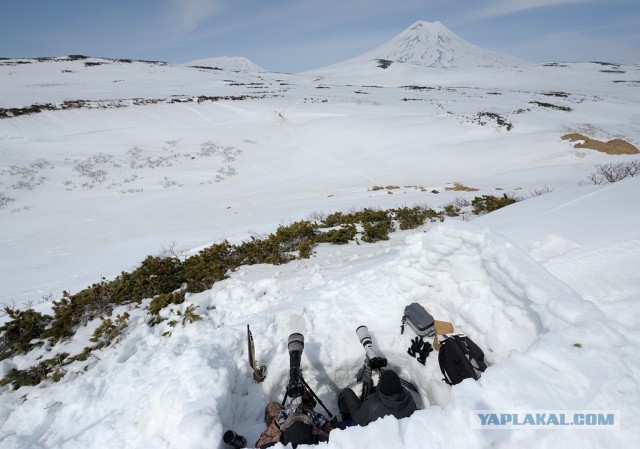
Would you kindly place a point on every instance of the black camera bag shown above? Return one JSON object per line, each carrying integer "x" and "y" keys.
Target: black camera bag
{"x": 460, "y": 358}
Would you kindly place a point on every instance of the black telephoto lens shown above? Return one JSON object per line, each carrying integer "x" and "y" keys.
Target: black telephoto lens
{"x": 295, "y": 388}
{"x": 233, "y": 439}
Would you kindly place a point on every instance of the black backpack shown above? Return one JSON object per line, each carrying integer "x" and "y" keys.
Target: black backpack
{"x": 460, "y": 358}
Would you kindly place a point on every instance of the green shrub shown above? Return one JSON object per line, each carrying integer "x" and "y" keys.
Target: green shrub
{"x": 50, "y": 368}
{"x": 451, "y": 210}
{"x": 376, "y": 231}
{"x": 339, "y": 236}
{"x": 160, "y": 302}
{"x": 189, "y": 315}
{"x": 209, "y": 266}
{"x": 19, "y": 332}
{"x": 156, "y": 275}
{"x": 109, "y": 331}
{"x": 488, "y": 203}
{"x": 411, "y": 218}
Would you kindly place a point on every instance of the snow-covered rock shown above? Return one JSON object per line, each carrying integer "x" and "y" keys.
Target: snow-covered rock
{"x": 229, "y": 63}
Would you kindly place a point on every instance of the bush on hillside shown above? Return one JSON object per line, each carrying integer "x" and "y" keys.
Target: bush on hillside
{"x": 488, "y": 203}
{"x": 614, "y": 172}
{"x": 18, "y": 334}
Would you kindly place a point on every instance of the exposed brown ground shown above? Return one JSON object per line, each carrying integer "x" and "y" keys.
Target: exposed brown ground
{"x": 458, "y": 187}
{"x": 615, "y": 146}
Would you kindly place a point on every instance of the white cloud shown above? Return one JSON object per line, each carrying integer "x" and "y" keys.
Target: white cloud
{"x": 188, "y": 14}
{"x": 498, "y": 8}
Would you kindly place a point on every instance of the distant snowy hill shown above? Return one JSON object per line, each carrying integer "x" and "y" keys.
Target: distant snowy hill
{"x": 230, "y": 63}
{"x": 435, "y": 45}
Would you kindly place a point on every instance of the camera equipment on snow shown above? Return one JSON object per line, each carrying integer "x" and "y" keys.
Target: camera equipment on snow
{"x": 234, "y": 440}
{"x": 295, "y": 388}
{"x": 372, "y": 362}
{"x": 419, "y": 320}
{"x": 422, "y": 324}
{"x": 460, "y": 358}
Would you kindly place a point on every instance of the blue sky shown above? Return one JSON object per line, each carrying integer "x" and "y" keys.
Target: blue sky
{"x": 297, "y": 35}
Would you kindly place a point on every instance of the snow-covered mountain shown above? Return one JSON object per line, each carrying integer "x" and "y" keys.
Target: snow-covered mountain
{"x": 229, "y": 63}
{"x": 435, "y": 45}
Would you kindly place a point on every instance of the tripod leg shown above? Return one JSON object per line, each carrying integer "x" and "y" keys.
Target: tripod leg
{"x": 315, "y": 396}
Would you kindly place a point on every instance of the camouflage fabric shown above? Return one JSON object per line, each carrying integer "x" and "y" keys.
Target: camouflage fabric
{"x": 271, "y": 411}
{"x": 270, "y": 436}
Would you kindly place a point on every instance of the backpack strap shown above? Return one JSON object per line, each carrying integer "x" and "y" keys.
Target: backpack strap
{"x": 441, "y": 361}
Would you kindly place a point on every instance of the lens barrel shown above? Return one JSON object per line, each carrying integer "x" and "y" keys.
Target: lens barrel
{"x": 296, "y": 343}
{"x": 295, "y": 388}
{"x": 363, "y": 334}
{"x": 233, "y": 439}
{"x": 375, "y": 361}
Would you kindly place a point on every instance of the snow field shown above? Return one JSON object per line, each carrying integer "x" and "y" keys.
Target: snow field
{"x": 547, "y": 287}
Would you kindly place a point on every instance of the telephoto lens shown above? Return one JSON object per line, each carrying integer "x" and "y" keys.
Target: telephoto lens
{"x": 375, "y": 361}
{"x": 234, "y": 440}
{"x": 295, "y": 388}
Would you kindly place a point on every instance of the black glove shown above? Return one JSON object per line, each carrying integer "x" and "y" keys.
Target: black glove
{"x": 424, "y": 352}
{"x": 416, "y": 344}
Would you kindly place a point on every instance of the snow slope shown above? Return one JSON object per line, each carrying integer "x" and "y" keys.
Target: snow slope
{"x": 182, "y": 156}
{"x": 162, "y": 156}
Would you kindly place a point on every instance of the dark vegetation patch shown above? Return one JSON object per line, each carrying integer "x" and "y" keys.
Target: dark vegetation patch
{"x": 482, "y": 118}
{"x": 204, "y": 67}
{"x": 8, "y": 61}
{"x": 489, "y": 203}
{"x": 419, "y": 88}
{"x": 613, "y": 64}
{"x": 556, "y": 94}
{"x": 632, "y": 82}
{"x": 235, "y": 83}
{"x": 551, "y": 106}
{"x": 119, "y": 103}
